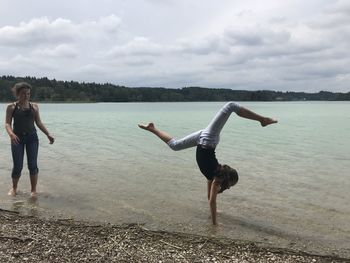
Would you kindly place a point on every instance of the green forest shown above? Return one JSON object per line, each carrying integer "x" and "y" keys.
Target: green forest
{"x": 46, "y": 90}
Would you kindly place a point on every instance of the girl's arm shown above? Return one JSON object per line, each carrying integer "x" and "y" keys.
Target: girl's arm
{"x": 209, "y": 183}
{"x": 40, "y": 125}
{"x": 215, "y": 188}
{"x": 8, "y": 124}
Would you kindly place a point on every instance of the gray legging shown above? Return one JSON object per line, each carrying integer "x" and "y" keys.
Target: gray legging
{"x": 210, "y": 136}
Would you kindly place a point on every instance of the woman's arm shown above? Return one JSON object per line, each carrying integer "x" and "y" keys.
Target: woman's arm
{"x": 215, "y": 188}
{"x": 8, "y": 124}
{"x": 40, "y": 124}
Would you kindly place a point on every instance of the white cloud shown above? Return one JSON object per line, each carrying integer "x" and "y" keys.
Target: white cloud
{"x": 110, "y": 23}
{"x": 293, "y": 45}
{"x": 343, "y": 77}
{"x": 41, "y": 31}
{"x": 255, "y": 36}
{"x": 60, "y": 51}
{"x": 37, "y": 31}
{"x": 139, "y": 46}
{"x": 204, "y": 46}
{"x": 340, "y": 6}
{"x": 140, "y": 62}
{"x": 90, "y": 69}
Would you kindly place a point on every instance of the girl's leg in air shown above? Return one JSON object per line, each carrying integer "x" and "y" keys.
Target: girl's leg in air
{"x": 215, "y": 126}
{"x": 186, "y": 142}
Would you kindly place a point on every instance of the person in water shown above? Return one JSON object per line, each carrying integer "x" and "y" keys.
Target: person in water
{"x": 219, "y": 176}
{"x": 23, "y": 135}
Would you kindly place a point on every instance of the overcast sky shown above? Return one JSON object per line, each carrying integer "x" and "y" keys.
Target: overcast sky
{"x": 240, "y": 44}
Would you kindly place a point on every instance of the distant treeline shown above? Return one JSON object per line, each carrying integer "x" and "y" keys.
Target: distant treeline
{"x": 48, "y": 90}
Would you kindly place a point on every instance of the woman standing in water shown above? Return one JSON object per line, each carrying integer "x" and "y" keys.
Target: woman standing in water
{"x": 23, "y": 135}
{"x": 219, "y": 176}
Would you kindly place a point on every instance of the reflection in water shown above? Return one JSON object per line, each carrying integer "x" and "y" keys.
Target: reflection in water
{"x": 33, "y": 204}
{"x": 17, "y": 206}
{"x": 26, "y": 206}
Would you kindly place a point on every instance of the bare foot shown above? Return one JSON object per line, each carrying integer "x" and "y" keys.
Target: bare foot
{"x": 148, "y": 127}
{"x": 12, "y": 192}
{"x": 33, "y": 194}
{"x": 268, "y": 121}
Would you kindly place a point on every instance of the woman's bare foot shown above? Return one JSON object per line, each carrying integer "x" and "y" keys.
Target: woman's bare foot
{"x": 12, "y": 192}
{"x": 267, "y": 121}
{"x": 148, "y": 127}
{"x": 33, "y": 194}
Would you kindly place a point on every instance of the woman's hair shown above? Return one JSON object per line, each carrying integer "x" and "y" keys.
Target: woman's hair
{"x": 227, "y": 177}
{"x": 20, "y": 86}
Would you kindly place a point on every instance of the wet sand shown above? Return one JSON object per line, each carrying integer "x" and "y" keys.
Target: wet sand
{"x": 33, "y": 239}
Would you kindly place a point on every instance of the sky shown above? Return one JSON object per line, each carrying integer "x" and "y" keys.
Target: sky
{"x": 238, "y": 44}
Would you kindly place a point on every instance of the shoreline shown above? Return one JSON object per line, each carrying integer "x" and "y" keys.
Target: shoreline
{"x": 33, "y": 239}
{"x": 182, "y": 101}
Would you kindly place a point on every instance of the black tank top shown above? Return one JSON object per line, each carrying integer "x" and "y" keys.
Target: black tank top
{"x": 207, "y": 162}
{"x": 23, "y": 120}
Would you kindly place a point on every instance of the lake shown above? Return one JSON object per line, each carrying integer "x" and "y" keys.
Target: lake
{"x": 294, "y": 176}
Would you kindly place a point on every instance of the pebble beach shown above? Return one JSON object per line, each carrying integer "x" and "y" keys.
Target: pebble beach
{"x": 33, "y": 239}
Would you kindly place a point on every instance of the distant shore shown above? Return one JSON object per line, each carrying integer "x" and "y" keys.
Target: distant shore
{"x": 130, "y": 102}
{"x": 52, "y": 90}
{"x": 31, "y": 239}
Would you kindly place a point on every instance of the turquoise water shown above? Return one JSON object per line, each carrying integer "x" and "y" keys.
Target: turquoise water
{"x": 294, "y": 177}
